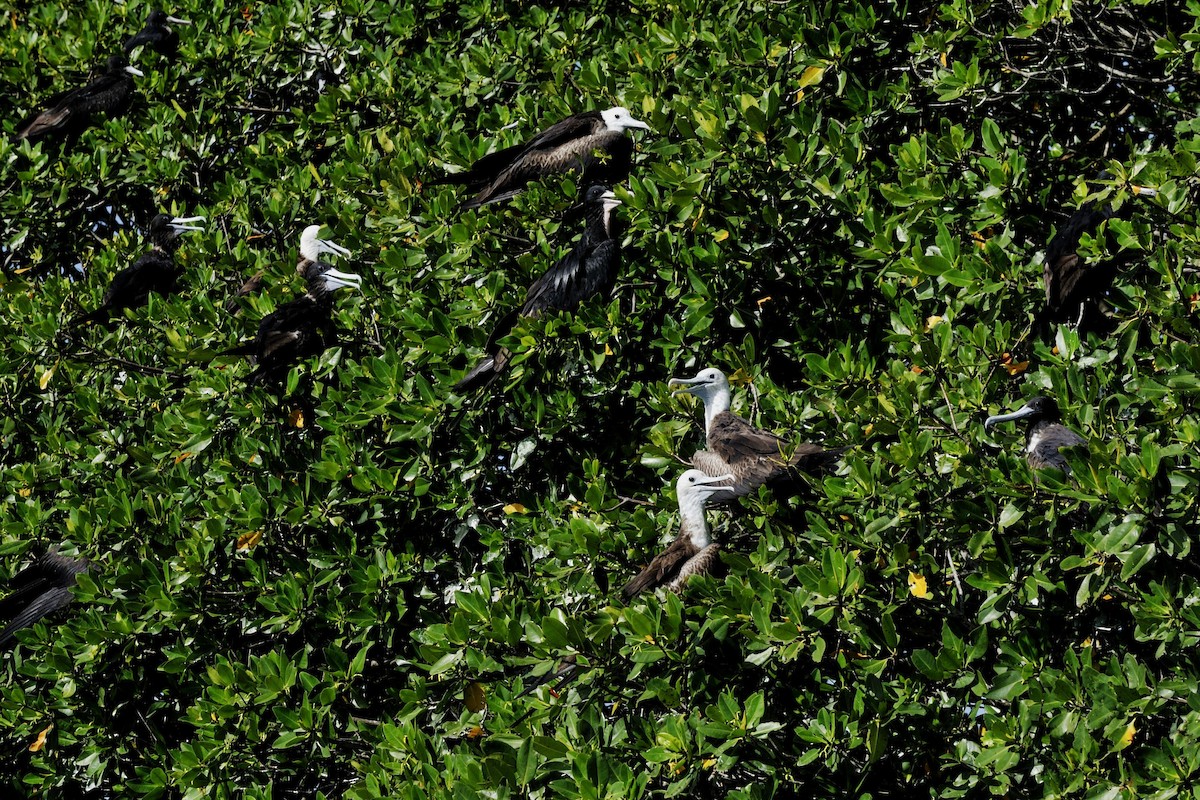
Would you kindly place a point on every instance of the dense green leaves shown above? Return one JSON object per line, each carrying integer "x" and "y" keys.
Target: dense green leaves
{"x": 361, "y": 584}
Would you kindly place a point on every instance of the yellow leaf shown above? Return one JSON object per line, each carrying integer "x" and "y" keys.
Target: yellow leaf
{"x": 1016, "y": 368}
{"x": 762, "y": 301}
{"x": 608, "y": 351}
{"x": 514, "y": 508}
{"x": 868, "y": 429}
{"x": 943, "y": 59}
{"x": 315, "y": 174}
{"x": 721, "y": 235}
{"x": 248, "y": 540}
{"x": 933, "y": 322}
{"x": 1086, "y": 642}
{"x": 182, "y": 456}
{"x": 917, "y": 586}
{"x": 475, "y": 732}
{"x": 25, "y": 492}
{"x": 916, "y": 370}
{"x": 473, "y": 696}
{"x": 812, "y": 76}
{"x": 296, "y": 418}
{"x": 739, "y": 377}
{"x": 22, "y": 270}
{"x": 708, "y": 763}
{"x": 1127, "y": 736}
{"x": 40, "y": 742}
{"x": 46, "y": 376}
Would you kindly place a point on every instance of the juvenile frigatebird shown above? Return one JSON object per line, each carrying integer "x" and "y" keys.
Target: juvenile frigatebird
{"x": 302, "y": 327}
{"x": 753, "y": 456}
{"x": 40, "y": 589}
{"x": 1046, "y": 435}
{"x": 158, "y": 34}
{"x": 593, "y": 143}
{"x": 153, "y": 271}
{"x": 589, "y": 269}
{"x": 1074, "y": 289}
{"x": 693, "y": 552}
{"x": 70, "y": 112}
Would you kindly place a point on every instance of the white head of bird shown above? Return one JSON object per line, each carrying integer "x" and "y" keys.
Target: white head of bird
{"x": 692, "y": 490}
{"x": 618, "y": 120}
{"x": 711, "y": 386}
{"x": 311, "y": 247}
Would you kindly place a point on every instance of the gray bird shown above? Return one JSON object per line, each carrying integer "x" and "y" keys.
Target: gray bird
{"x": 1045, "y": 436}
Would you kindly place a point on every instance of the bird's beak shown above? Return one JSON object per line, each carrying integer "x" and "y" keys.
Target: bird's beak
{"x": 610, "y": 200}
{"x": 1144, "y": 191}
{"x": 713, "y": 479}
{"x": 179, "y": 20}
{"x": 330, "y": 247}
{"x": 342, "y": 280}
{"x": 688, "y": 384}
{"x": 182, "y": 224}
{"x": 1020, "y": 413}
{"x": 634, "y": 123}
{"x": 135, "y": 71}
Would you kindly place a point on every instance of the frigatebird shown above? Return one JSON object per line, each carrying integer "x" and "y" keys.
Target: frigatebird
{"x": 158, "y": 34}
{"x": 753, "y": 456}
{"x": 1045, "y": 436}
{"x": 153, "y": 271}
{"x": 692, "y": 552}
{"x": 302, "y": 327}
{"x": 40, "y": 589}
{"x": 593, "y": 143}
{"x": 1074, "y": 288}
{"x": 589, "y": 269}
{"x": 69, "y": 113}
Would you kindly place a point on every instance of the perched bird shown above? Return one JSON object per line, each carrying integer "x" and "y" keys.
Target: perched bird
{"x": 693, "y": 552}
{"x": 1046, "y": 435}
{"x": 39, "y": 590}
{"x": 302, "y": 327}
{"x": 753, "y": 457}
{"x": 593, "y": 143}
{"x": 158, "y": 34}
{"x": 1074, "y": 288}
{"x": 69, "y": 113}
{"x": 153, "y": 271}
{"x": 589, "y": 269}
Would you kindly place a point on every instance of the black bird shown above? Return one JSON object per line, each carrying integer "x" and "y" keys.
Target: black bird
{"x": 154, "y": 271}
{"x": 593, "y": 143}
{"x": 1046, "y": 435}
{"x": 158, "y": 34}
{"x": 302, "y": 327}
{"x": 589, "y": 269}
{"x": 69, "y": 113}
{"x": 1073, "y": 288}
{"x": 40, "y": 589}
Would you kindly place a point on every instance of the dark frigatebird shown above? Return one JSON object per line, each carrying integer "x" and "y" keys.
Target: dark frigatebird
{"x": 593, "y": 143}
{"x": 302, "y": 327}
{"x": 692, "y": 552}
{"x": 39, "y": 590}
{"x": 589, "y": 269}
{"x": 69, "y": 113}
{"x": 1074, "y": 288}
{"x": 754, "y": 457}
{"x": 1046, "y": 435}
{"x": 158, "y": 34}
{"x": 153, "y": 271}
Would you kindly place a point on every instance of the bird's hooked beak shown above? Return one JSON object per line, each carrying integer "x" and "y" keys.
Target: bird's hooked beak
{"x": 179, "y": 21}
{"x": 709, "y": 481}
{"x": 183, "y": 224}
{"x": 610, "y": 200}
{"x": 637, "y": 123}
{"x": 336, "y": 279}
{"x": 134, "y": 71}
{"x": 1021, "y": 413}
{"x": 689, "y": 385}
{"x": 326, "y": 246}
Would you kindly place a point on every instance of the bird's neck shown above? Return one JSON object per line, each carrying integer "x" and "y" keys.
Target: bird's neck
{"x": 692, "y": 522}
{"x": 715, "y": 404}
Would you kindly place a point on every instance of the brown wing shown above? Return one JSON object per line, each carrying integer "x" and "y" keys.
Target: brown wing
{"x": 699, "y": 564}
{"x": 665, "y": 567}
{"x": 755, "y": 457}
